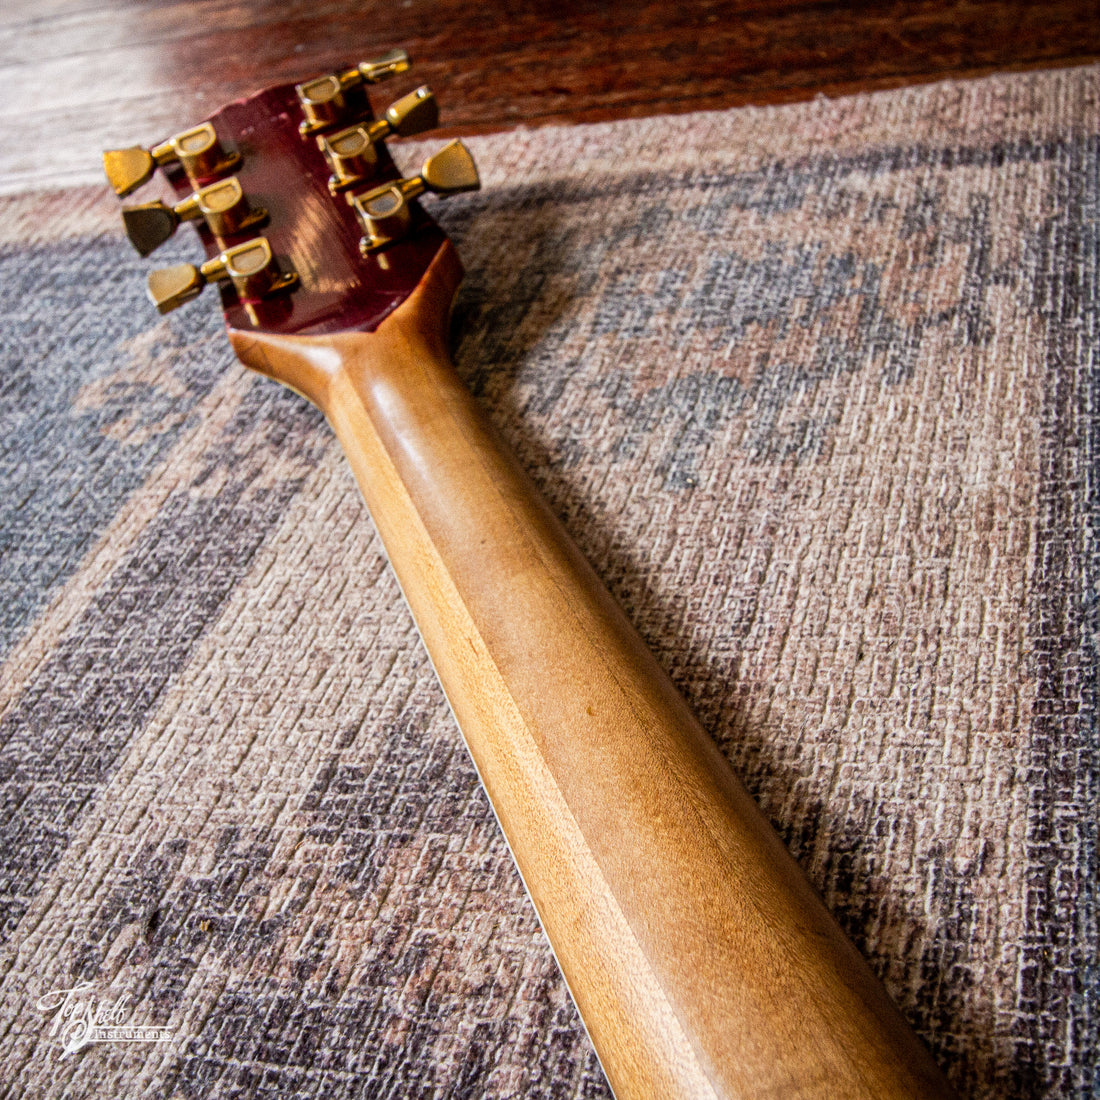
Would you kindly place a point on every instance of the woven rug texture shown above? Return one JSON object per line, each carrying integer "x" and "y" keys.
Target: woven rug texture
{"x": 816, "y": 390}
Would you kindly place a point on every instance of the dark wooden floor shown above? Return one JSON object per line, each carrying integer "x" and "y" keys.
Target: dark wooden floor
{"x": 82, "y": 74}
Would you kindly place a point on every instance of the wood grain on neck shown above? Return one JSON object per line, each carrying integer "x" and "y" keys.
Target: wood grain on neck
{"x": 702, "y": 961}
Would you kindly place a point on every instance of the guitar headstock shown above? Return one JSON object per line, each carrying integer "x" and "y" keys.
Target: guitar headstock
{"x": 308, "y": 226}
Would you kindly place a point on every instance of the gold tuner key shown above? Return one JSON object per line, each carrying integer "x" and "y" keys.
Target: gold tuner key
{"x": 385, "y": 214}
{"x": 352, "y": 153}
{"x": 411, "y": 114}
{"x": 198, "y": 150}
{"x": 323, "y": 99}
{"x": 222, "y": 205}
{"x": 250, "y": 266}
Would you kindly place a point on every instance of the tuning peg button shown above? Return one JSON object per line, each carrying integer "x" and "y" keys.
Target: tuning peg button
{"x": 222, "y": 205}
{"x": 250, "y": 266}
{"x": 450, "y": 171}
{"x": 383, "y": 67}
{"x": 385, "y": 214}
{"x": 353, "y": 153}
{"x": 411, "y": 114}
{"x": 171, "y": 287}
{"x": 198, "y": 150}
{"x": 128, "y": 169}
{"x": 324, "y": 100}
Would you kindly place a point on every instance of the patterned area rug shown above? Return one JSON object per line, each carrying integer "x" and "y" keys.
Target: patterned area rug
{"x": 814, "y": 387}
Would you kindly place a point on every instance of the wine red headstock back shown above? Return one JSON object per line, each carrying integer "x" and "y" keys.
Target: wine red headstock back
{"x": 326, "y": 273}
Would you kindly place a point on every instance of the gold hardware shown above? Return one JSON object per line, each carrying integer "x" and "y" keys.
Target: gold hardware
{"x": 382, "y": 68}
{"x": 352, "y": 153}
{"x": 198, "y": 150}
{"x": 127, "y": 169}
{"x": 149, "y": 225}
{"x": 385, "y": 214}
{"x": 411, "y": 114}
{"x": 322, "y": 98}
{"x": 170, "y": 287}
{"x": 222, "y": 204}
{"x": 250, "y": 266}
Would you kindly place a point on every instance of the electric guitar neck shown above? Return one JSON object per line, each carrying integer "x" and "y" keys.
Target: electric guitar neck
{"x": 701, "y": 960}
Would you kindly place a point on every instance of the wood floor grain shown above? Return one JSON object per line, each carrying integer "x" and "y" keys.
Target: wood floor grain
{"x": 83, "y": 74}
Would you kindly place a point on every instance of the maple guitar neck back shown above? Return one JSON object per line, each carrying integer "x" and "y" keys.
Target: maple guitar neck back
{"x": 701, "y": 960}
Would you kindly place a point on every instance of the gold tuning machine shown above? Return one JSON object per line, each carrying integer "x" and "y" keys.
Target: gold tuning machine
{"x": 323, "y": 99}
{"x": 198, "y": 150}
{"x": 352, "y": 153}
{"x": 250, "y": 266}
{"x": 385, "y": 214}
{"x": 222, "y": 205}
